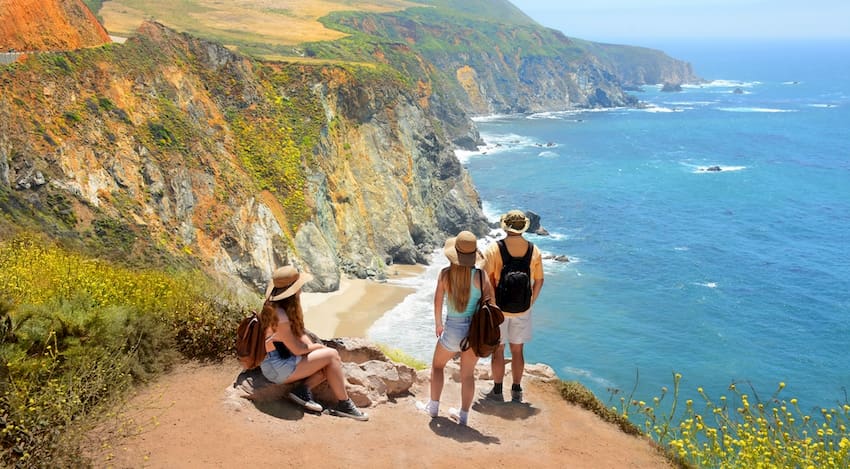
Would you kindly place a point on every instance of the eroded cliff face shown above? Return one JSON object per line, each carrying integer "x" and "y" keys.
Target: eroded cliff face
{"x": 494, "y": 68}
{"x": 169, "y": 147}
{"x": 42, "y": 25}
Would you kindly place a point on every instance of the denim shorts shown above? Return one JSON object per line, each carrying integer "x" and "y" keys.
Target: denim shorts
{"x": 454, "y": 330}
{"x": 277, "y": 369}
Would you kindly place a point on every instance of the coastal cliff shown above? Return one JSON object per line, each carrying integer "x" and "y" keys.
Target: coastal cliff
{"x": 173, "y": 149}
{"x": 44, "y": 25}
{"x": 501, "y": 61}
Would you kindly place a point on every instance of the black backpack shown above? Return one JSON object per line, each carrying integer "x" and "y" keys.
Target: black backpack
{"x": 513, "y": 293}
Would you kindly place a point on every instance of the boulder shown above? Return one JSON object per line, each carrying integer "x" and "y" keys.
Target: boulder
{"x": 371, "y": 378}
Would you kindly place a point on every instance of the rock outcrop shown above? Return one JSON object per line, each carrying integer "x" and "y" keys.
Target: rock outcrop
{"x": 173, "y": 149}
{"x": 48, "y": 25}
{"x": 371, "y": 378}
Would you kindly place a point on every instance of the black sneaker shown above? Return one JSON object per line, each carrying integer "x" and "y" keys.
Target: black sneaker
{"x": 494, "y": 396}
{"x": 302, "y": 396}
{"x": 347, "y": 408}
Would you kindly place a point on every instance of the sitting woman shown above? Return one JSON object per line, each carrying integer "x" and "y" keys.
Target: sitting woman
{"x": 300, "y": 359}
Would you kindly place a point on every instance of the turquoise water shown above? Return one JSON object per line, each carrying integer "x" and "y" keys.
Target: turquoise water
{"x": 740, "y": 275}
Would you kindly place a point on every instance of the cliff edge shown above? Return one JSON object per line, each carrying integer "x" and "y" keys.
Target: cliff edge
{"x": 48, "y": 25}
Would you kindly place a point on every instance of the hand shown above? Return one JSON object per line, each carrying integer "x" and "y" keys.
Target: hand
{"x": 439, "y": 329}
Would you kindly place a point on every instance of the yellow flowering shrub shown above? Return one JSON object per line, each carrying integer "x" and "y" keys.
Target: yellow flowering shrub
{"x": 740, "y": 431}
{"x": 77, "y": 332}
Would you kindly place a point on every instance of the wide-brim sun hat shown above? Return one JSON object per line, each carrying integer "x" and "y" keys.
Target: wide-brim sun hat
{"x": 287, "y": 278}
{"x": 462, "y": 249}
{"x": 515, "y": 221}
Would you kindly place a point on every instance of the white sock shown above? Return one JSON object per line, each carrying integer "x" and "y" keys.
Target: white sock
{"x": 433, "y": 408}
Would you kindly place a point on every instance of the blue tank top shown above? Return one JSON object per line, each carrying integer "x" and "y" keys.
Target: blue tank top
{"x": 474, "y": 296}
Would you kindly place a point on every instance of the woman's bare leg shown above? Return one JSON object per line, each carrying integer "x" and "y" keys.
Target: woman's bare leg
{"x": 468, "y": 360}
{"x": 326, "y": 360}
{"x": 438, "y": 365}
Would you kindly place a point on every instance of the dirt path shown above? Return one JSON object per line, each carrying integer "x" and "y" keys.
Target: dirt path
{"x": 187, "y": 420}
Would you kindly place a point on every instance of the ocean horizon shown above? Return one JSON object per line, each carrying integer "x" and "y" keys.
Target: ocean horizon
{"x": 707, "y": 230}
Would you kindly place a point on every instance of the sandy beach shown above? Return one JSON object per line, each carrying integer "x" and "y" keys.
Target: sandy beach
{"x": 351, "y": 310}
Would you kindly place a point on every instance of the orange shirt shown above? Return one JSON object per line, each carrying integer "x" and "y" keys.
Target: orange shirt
{"x": 493, "y": 263}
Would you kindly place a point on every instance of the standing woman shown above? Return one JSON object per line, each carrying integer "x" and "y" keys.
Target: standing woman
{"x": 283, "y": 322}
{"x": 461, "y": 284}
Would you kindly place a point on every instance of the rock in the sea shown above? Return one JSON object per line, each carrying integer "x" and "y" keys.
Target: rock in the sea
{"x": 671, "y": 87}
{"x": 534, "y": 225}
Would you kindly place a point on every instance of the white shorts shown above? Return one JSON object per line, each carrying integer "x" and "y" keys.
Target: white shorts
{"x": 516, "y": 329}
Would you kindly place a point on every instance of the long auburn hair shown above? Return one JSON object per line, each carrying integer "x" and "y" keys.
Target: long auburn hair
{"x": 292, "y": 306}
{"x": 458, "y": 279}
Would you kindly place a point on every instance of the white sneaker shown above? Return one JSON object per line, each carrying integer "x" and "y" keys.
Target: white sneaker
{"x": 456, "y": 415}
{"x": 432, "y": 408}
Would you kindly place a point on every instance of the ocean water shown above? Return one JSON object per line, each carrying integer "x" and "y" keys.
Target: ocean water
{"x": 739, "y": 275}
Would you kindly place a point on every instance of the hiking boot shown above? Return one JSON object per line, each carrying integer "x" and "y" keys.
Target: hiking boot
{"x": 494, "y": 396}
{"x": 347, "y": 408}
{"x": 516, "y": 395}
{"x": 302, "y": 396}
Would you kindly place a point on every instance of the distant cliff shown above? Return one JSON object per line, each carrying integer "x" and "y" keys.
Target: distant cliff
{"x": 501, "y": 64}
{"x": 169, "y": 147}
{"x": 41, "y": 25}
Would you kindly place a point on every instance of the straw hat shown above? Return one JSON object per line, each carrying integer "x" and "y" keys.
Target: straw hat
{"x": 515, "y": 221}
{"x": 462, "y": 249}
{"x": 287, "y": 278}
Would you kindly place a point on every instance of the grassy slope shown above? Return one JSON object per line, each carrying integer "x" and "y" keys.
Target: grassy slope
{"x": 272, "y": 30}
{"x": 255, "y": 26}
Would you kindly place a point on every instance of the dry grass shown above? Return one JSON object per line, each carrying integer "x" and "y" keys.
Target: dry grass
{"x": 272, "y": 22}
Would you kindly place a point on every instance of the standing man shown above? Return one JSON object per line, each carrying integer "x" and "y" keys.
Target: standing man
{"x": 515, "y": 267}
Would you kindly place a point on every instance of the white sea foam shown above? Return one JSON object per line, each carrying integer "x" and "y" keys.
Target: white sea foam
{"x": 753, "y": 109}
{"x": 681, "y": 248}
{"x": 569, "y": 115}
{"x": 409, "y": 326}
{"x": 690, "y": 103}
{"x": 723, "y": 169}
{"x": 548, "y": 154}
{"x": 582, "y": 373}
{"x": 494, "y": 117}
{"x": 491, "y": 212}
{"x": 791, "y": 82}
{"x": 655, "y": 108}
{"x": 724, "y": 84}
{"x": 706, "y": 284}
{"x": 823, "y": 105}
{"x": 497, "y": 143}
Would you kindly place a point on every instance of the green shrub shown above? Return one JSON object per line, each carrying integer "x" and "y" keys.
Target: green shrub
{"x": 78, "y": 332}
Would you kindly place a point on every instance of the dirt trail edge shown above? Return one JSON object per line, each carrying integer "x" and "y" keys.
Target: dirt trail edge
{"x": 189, "y": 418}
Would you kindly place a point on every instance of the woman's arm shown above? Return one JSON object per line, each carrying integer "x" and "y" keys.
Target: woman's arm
{"x": 295, "y": 344}
{"x": 439, "y": 292}
{"x": 487, "y": 288}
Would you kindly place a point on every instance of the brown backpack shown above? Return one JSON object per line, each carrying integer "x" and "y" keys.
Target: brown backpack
{"x": 484, "y": 335}
{"x": 250, "y": 344}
